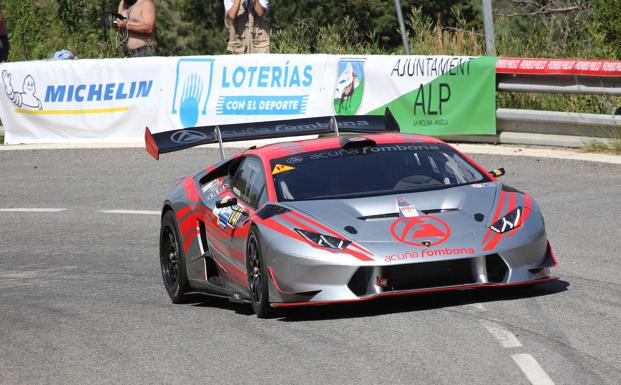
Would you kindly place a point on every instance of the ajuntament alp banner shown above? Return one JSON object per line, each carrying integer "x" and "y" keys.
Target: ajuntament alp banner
{"x": 433, "y": 95}
{"x": 113, "y": 100}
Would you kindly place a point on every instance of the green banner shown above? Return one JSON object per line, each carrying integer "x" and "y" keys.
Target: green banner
{"x": 431, "y": 95}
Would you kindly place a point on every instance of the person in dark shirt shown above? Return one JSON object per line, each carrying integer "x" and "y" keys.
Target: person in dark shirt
{"x": 4, "y": 38}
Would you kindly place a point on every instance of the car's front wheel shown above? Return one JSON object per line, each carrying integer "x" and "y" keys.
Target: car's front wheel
{"x": 172, "y": 260}
{"x": 257, "y": 276}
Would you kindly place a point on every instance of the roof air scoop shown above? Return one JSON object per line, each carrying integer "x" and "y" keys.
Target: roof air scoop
{"x": 356, "y": 142}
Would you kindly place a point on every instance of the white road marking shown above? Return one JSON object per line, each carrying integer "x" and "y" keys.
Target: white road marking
{"x": 531, "y": 368}
{"x": 478, "y": 306}
{"x": 136, "y": 212}
{"x": 504, "y": 337}
{"x": 31, "y": 210}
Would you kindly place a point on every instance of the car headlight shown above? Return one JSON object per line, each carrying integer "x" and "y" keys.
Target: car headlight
{"x": 324, "y": 240}
{"x": 508, "y": 222}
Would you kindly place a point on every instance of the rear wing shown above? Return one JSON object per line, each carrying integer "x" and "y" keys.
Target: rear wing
{"x": 175, "y": 140}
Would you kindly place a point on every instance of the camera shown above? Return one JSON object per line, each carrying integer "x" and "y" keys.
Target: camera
{"x": 109, "y": 19}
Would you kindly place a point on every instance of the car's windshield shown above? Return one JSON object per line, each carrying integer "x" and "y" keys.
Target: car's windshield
{"x": 371, "y": 170}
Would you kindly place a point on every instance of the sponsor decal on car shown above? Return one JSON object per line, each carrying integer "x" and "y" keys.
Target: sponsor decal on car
{"x": 420, "y": 231}
{"x": 482, "y": 185}
{"x": 281, "y": 168}
{"x": 410, "y": 255}
{"x": 446, "y": 251}
{"x": 402, "y": 256}
{"x": 228, "y": 216}
{"x": 406, "y": 209}
{"x": 295, "y": 160}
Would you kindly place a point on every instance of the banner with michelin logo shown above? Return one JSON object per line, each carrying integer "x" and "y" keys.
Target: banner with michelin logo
{"x": 78, "y": 101}
{"x": 113, "y": 100}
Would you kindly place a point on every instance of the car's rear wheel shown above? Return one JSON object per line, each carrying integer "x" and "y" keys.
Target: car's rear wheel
{"x": 172, "y": 260}
{"x": 257, "y": 276}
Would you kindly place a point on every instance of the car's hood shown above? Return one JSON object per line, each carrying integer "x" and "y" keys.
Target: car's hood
{"x": 454, "y": 217}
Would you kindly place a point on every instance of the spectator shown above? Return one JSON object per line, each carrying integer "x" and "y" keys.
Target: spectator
{"x": 140, "y": 26}
{"x": 4, "y": 39}
{"x": 249, "y": 28}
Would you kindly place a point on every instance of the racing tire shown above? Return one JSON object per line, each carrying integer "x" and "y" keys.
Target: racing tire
{"x": 172, "y": 259}
{"x": 256, "y": 269}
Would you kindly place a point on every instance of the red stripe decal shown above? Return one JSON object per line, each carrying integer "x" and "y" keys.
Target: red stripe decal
{"x": 297, "y": 223}
{"x": 497, "y": 237}
{"x": 188, "y": 224}
{"x": 353, "y": 253}
{"x": 272, "y": 224}
{"x": 271, "y": 273}
{"x": 188, "y": 241}
{"x": 317, "y": 224}
{"x": 328, "y": 230}
{"x": 501, "y": 202}
{"x": 190, "y": 189}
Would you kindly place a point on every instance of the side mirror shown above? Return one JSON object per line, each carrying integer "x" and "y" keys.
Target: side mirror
{"x": 497, "y": 173}
{"x": 226, "y": 202}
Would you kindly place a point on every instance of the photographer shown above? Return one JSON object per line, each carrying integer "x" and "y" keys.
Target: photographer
{"x": 4, "y": 39}
{"x": 248, "y": 26}
{"x": 139, "y": 23}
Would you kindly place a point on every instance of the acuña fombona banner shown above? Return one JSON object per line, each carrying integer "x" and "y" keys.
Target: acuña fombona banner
{"x": 113, "y": 100}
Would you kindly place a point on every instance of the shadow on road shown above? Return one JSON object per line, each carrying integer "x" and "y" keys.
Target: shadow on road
{"x": 420, "y": 302}
{"x": 388, "y": 305}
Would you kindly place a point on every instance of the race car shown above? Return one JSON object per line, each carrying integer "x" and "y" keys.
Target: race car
{"x": 364, "y": 213}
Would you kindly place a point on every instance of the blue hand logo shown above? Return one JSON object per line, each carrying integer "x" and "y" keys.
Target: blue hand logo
{"x": 192, "y": 92}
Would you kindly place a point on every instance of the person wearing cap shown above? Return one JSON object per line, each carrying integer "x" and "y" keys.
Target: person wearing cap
{"x": 248, "y": 26}
{"x": 4, "y": 39}
{"x": 139, "y": 23}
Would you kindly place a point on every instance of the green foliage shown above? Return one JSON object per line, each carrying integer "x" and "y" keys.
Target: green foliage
{"x": 590, "y": 30}
{"x": 37, "y": 29}
{"x": 607, "y": 26}
{"x": 432, "y": 38}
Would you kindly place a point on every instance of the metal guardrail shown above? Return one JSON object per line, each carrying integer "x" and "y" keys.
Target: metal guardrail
{"x": 557, "y": 123}
{"x": 592, "y": 77}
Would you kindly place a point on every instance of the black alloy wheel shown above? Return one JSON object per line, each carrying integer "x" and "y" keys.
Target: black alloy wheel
{"x": 172, "y": 259}
{"x": 257, "y": 277}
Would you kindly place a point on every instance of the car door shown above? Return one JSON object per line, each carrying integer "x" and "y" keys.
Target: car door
{"x": 249, "y": 187}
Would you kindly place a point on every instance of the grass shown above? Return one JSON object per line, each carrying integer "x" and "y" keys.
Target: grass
{"x": 611, "y": 143}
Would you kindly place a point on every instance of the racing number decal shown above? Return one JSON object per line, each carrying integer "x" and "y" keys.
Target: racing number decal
{"x": 228, "y": 216}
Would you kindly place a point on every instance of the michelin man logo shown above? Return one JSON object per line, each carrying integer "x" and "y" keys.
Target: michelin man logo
{"x": 26, "y": 98}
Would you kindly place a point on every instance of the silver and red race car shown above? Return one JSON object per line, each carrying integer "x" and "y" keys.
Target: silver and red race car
{"x": 342, "y": 218}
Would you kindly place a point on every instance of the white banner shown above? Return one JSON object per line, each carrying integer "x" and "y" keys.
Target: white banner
{"x": 80, "y": 101}
{"x": 113, "y": 100}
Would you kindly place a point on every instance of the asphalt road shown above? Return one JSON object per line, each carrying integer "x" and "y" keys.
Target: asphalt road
{"x": 82, "y": 302}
